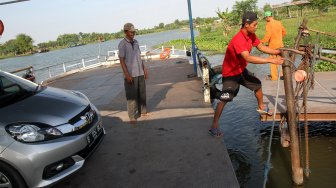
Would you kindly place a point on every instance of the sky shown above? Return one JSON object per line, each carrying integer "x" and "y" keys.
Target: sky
{"x": 45, "y": 20}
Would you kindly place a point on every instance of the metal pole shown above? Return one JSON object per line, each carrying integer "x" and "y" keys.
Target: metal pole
{"x": 192, "y": 36}
{"x": 297, "y": 172}
{"x": 64, "y": 70}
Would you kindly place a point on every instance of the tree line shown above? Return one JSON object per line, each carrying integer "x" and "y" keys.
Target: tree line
{"x": 23, "y": 44}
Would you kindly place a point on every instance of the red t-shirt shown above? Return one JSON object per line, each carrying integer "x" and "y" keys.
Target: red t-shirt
{"x": 234, "y": 64}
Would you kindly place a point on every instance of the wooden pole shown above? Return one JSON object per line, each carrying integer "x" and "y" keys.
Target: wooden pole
{"x": 297, "y": 172}
{"x": 287, "y": 66}
{"x": 302, "y": 27}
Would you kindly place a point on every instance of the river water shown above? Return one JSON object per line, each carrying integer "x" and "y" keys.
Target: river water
{"x": 41, "y": 60}
{"x": 245, "y": 136}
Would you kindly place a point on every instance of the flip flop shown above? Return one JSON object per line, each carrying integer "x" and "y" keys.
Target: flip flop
{"x": 215, "y": 132}
{"x": 265, "y": 111}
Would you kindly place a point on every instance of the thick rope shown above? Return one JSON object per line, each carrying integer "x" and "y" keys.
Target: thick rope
{"x": 268, "y": 162}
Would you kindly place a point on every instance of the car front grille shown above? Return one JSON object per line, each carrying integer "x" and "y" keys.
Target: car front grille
{"x": 81, "y": 123}
{"x": 75, "y": 119}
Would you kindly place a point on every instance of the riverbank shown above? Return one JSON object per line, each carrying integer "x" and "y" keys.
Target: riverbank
{"x": 29, "y": 54}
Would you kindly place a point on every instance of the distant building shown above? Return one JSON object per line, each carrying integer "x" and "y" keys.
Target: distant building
{"x": 289, "y": 4}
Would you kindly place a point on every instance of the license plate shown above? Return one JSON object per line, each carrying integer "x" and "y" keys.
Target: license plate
{"x": 93, "y": 135}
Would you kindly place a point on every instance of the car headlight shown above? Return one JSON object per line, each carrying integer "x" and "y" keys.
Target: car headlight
{"x": 32, "y": 132}
{"x": 80, "y": 94}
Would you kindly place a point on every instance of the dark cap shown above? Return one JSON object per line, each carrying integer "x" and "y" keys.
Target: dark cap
{"x": 249, "y": 17}
{"x": 129, "y": 27}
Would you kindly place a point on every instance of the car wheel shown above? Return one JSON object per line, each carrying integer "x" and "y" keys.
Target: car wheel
{"x": 10, "y": 178}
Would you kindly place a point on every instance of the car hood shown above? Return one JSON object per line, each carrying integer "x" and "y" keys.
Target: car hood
{"x": 51, "y": 106}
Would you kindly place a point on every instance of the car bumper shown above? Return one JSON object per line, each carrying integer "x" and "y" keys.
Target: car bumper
{"x": 33, "y": 160}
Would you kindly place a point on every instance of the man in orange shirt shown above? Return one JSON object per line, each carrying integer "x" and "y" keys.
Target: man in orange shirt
{"x": 274, "y": 35}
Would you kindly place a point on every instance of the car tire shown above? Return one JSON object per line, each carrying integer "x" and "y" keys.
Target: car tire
{"x": 11, "y": 177}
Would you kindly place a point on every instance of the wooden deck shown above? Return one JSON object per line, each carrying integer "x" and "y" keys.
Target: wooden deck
{"x": 321, "y": 105}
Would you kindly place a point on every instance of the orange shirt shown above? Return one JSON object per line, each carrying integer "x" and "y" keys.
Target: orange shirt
{"x": 274, "y": 34}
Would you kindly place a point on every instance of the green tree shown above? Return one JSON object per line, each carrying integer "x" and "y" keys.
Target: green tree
{"x": 177, "y": 22}
{"x": 24, "y": 43}
{"x": 198, "y": 21}
{"x": 10, "y": 47}
{"x": 321, "y": 5}
{"x": 227, "y": 20}
{"x": 242, "y": 6}
{"x": 267, "y": 7}
{"x": 67, "y": 40}
{"x": 80, "y": 36}
{"x": 161, "y": 25}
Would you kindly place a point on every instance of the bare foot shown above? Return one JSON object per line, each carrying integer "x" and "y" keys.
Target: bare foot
{"x": 146, "y": 114}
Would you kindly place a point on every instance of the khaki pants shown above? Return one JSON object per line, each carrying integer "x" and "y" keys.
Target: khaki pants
{"x": 274, "y": 69}
{"x": 136, "y": 97}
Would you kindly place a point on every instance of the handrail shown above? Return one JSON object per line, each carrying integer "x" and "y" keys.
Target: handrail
{"x": 23, "y": 69}
{"x": 51, "y": 71}
{"x": 66, "y": 62}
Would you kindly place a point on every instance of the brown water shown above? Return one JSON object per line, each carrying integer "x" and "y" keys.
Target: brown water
{"x": 322, "y": 150}
{"x": 247, "y": 141}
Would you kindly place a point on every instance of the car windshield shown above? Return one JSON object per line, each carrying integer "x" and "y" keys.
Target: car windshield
{"x": 14, "y": 89}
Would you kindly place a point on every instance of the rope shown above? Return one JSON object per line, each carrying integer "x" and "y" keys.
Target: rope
{"x": 268, "y": 162}
{"x": 307, "y": 57}
{"x": 305, "y": 90}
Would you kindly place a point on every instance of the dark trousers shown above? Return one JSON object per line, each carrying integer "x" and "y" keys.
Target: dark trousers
{"x": 136, "y": 97}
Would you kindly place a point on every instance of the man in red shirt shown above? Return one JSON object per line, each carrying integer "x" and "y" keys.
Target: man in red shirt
{"x": 234, "y": 70}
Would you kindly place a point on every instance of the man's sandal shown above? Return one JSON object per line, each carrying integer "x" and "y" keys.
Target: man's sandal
{"x": 264, "y": 111}
{"x": 215, "y": 132}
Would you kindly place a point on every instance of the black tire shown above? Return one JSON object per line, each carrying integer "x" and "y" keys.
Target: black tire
{"x": 11, "y": 176}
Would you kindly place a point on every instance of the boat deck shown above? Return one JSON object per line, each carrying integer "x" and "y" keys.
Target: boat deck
{"x": 169, "y": 148}
{"x": 321, "y": 101}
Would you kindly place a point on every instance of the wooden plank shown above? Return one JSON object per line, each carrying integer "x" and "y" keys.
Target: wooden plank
{"x": 310, "y": 117}
{"x": 321, "y": 104}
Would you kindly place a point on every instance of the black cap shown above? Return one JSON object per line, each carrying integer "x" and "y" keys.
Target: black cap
{"x": 249, "y": 17}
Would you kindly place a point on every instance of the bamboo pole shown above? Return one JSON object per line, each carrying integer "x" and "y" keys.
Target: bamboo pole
{"x": 297, "y": 172}
{"x": 324, "y": 33}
